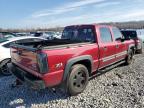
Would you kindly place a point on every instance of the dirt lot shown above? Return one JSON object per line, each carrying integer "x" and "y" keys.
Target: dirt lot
{"x": 122, "y": 87}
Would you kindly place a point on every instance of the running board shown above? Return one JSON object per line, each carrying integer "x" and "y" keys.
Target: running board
{"x": 106, "y": 69}
{"x": 111, "y": 66}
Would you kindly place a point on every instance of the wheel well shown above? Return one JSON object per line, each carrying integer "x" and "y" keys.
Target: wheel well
{"x": 86, "y": 63}
{"x": 4, "y": 60}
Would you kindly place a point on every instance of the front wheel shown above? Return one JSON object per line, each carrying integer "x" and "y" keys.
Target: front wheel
{"x": 129, "y": 58}
{"x": 77, "y": 80}
{"x": 3, "y": 67}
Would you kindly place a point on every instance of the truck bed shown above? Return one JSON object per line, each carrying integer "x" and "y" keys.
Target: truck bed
{"x": 49, "y": 44}
{"x": 26, "y": 55}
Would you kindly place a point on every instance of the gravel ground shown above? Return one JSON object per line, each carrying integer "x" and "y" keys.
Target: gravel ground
{"x": 122, "y": 87}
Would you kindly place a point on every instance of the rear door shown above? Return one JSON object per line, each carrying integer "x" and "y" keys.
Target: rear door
{"x": 120, "y": 47}
{"x": 106, "y": 46}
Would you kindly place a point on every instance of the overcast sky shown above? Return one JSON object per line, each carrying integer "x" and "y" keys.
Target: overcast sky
{"x": 51, "y": 13}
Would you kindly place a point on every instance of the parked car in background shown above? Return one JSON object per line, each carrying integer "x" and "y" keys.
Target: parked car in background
{"x": 42, "y": 34}
{"x": 135, "y": 35}
{"x": 50, "y": 35}
{"x": 54, "y": 35}
{"x": 58, "y": 35}
{"x": 7, "y": 35}
{"x": 32, "y": 33}
{"x": 82, "y": 51}
{"x": 5, "y": 49}
{"x": 141, "y": 34}
{"x": 22, "y": 34}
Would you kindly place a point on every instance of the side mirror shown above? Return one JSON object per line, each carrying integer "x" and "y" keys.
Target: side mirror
{"x": 120, "y": 39}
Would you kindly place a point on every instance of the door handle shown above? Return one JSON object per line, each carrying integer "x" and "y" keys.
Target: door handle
{"x": 117, "y": 46}
{"x": 105, "y": 48}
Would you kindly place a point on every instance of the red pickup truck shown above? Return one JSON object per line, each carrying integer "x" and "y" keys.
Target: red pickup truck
{"x": 82, "y": 51}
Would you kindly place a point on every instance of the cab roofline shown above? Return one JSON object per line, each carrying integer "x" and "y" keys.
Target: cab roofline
{"x": 80, "y": 25}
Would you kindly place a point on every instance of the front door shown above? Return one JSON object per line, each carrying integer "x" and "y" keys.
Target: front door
{"x": 107, "y": 47}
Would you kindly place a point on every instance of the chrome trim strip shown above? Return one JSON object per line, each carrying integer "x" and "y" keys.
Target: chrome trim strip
{"x": 110, "y": 64}
{"x": 105, "y": 59}
{"x": 121, "y": 54}
{"x": 108, "y": 58}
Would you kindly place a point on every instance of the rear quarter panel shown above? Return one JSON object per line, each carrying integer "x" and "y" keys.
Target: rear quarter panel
{"x": 64, "y": 54}
{"x": 129, "y": 43}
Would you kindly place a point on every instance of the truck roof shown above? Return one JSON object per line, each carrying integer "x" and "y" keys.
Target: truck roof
{"x": 84, "y": 25}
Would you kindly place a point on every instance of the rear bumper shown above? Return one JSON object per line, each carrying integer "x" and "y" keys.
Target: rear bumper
{"x": 31, "y": 80}
{"x": 47, "y": 80}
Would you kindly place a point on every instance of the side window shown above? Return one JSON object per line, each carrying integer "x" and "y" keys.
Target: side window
{"x": 23, "y": 40}
{"x": 29, "y": 40}
{"x": 105, "y": 34}
{"x": 117, "y": 33}
{"x": 36, "y": 40}
{"x": 8, "y": 44}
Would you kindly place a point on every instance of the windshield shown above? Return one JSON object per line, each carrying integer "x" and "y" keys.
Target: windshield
{"x": 79, "y": 34}
{"x": 130, "y": 34}
{"x": 3, "y": 40}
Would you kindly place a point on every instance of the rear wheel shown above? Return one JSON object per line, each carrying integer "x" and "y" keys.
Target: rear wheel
{"x": 129, "y": 58}
{"x": 3, "y": 67}
{"x": 77, "y": 80}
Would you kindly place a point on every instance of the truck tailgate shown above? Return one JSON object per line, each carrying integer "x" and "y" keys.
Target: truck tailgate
{"x": 25, "y": 57}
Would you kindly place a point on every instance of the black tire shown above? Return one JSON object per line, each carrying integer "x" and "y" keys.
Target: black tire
{"x": 77, "y": 79}
{"x": 3, "y": 67}
{"x": 129, "y": 58}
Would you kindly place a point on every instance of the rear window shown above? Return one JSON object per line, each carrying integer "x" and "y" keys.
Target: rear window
{"x": 85, "y": 34}
{"x": 129, "y": 34}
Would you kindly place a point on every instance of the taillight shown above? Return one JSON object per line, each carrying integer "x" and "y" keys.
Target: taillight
{"x": 42, "y": 63}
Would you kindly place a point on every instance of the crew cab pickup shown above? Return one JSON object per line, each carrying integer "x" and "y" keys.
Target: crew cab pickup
{"x": 82, "y": 51}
